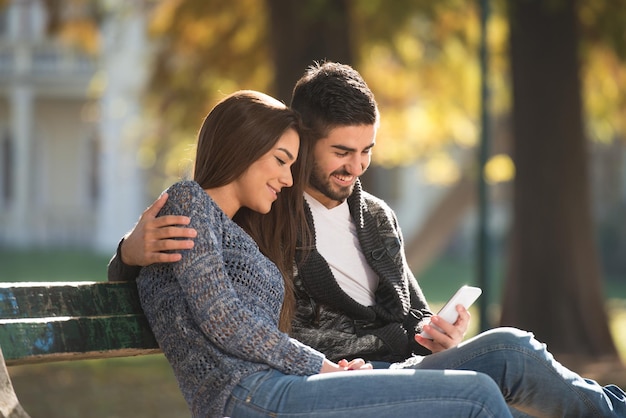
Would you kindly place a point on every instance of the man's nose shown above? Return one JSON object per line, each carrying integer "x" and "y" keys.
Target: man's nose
{"x": 357, "y": 165}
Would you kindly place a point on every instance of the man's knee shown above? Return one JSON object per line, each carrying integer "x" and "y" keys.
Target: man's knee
{"x": 509, "y": 337}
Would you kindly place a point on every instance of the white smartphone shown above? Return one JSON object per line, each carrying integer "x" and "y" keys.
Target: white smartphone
{"x": 466, "y": 296}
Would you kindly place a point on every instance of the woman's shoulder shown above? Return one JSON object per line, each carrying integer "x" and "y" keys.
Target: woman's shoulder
{"x": 186, "y": 197}
{"x": 183, "y": 189}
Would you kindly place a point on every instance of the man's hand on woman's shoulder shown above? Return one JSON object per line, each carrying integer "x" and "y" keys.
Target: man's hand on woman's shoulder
{"x": 153, "y": 238}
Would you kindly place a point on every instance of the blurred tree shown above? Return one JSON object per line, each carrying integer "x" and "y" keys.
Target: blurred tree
{"x": 304, "y": 32}
{"x": 420, "y": 58}
{"x": 209, "y": 48}
{"x": 203, "y": 50}
{"x": 553, "y": 285}
{"x": 414, "y": 55}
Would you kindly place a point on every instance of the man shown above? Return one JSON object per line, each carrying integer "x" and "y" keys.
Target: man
{"x": 356, "y": 296}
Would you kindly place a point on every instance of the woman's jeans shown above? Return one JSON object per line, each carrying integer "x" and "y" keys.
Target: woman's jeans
{"x": 529, "y": 377}
{"x": 369, "y": 393}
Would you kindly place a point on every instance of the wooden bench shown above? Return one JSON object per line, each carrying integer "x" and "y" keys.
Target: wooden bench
{"x": 54, "y": 321}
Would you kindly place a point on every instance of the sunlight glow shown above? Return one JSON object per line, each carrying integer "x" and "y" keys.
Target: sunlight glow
{"x": 441, "y": 169}
{"x": 499, "y": 169}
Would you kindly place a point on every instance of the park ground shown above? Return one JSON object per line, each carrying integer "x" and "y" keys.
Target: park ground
{"x": 145, "y": 387}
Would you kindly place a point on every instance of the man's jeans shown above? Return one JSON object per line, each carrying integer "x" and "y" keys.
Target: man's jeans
{"x": 368, "y": 394}
{"x": 529, "y": 377}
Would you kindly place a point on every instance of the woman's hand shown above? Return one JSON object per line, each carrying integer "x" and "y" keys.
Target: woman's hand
{"x": 345, "y": 365}
{"x": 355, "y": 364}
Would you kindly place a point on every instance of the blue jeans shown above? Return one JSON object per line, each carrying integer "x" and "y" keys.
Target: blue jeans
{"x": 368, "y": 394}
{"x": 529, "y": 377}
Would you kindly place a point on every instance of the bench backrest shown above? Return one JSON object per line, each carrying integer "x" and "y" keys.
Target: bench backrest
{"x": 51, "y": 321}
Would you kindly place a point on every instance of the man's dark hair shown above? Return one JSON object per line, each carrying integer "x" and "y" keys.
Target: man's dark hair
{"x": 330, "y": 95}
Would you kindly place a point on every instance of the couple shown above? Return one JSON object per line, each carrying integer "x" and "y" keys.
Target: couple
{"x": 213, "y": 290}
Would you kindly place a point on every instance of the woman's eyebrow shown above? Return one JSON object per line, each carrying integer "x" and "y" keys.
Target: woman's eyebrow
{"x": 286, "y": 151}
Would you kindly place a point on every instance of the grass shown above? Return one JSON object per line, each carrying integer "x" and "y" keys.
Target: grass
{"x": 42, "y": 265}
{"x": 139, "y": 387}
{"x": 144, "y": 386}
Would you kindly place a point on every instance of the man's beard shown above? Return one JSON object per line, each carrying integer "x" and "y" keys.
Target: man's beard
{"x": 319, "y": 182}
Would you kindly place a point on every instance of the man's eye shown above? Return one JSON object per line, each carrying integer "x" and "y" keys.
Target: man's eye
{"x": 341, "y": 154}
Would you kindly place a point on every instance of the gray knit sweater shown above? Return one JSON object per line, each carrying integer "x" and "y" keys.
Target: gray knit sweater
{"x": 215, "y": 313}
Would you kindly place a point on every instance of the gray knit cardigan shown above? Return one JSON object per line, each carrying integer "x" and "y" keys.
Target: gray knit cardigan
{"x": 335, "y": 324}
{"x": 215, "y": 313}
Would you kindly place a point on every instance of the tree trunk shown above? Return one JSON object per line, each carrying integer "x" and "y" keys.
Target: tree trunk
{"x": 554, "y": 284}
{"x": 306, "y": 31}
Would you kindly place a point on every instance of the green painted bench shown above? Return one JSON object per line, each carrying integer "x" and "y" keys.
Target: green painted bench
{"x": 55, "y": 321}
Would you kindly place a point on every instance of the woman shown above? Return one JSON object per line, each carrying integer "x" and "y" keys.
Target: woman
{"x": 217, "y": 313}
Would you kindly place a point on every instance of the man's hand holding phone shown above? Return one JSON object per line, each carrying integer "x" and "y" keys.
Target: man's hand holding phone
{"x": 447, "y": 328}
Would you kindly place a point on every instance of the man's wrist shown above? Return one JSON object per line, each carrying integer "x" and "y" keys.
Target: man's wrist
{"x": 120, "y": 253}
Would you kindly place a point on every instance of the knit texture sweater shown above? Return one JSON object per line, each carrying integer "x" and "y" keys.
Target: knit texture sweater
{"x": 332, "y": 322}
{"x": 215, "y": 313}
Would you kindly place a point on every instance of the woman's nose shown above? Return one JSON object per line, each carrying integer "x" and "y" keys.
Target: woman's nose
{"x": 287, "y": 178}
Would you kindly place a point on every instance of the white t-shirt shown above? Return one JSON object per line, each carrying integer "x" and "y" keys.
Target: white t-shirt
{"x": 336, "y": 240}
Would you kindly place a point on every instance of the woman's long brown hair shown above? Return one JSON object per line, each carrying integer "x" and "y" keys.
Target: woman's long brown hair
{"x": 238, "y": 131}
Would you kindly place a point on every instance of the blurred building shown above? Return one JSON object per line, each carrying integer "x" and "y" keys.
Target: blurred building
{"x": 68, "y": 176}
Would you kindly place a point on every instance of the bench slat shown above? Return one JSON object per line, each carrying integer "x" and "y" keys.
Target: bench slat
{"x": 38, "y": 300}
{"x": 25, "y": 342}
{"x": 69, "y": 320}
